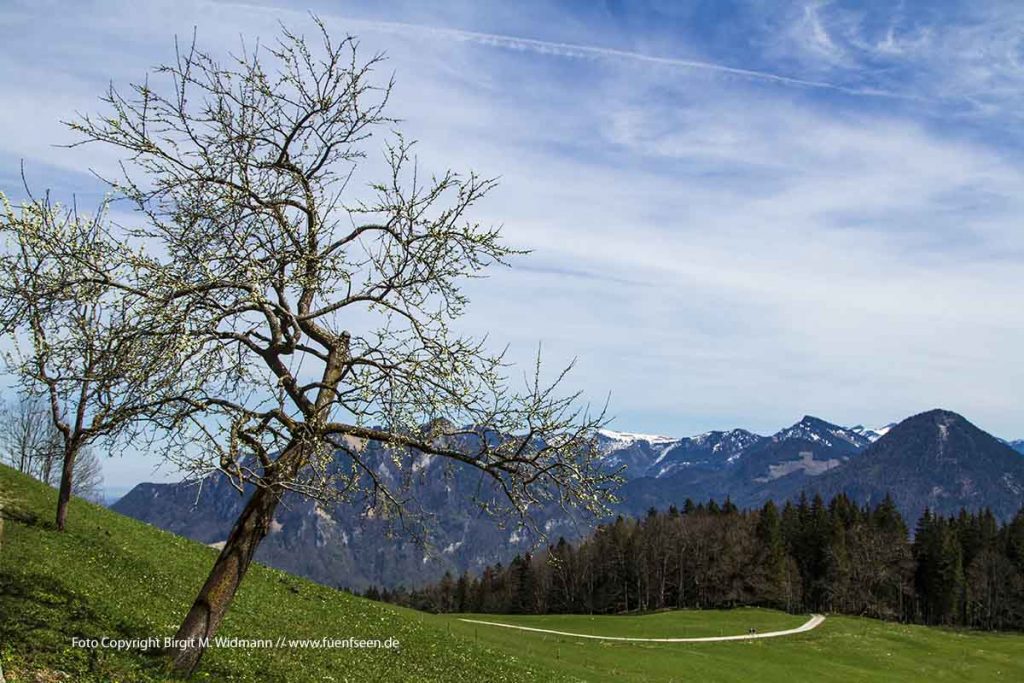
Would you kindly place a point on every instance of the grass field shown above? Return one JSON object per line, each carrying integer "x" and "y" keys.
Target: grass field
{"x": 841, "y": 649}
{"x": 110, "y": 575}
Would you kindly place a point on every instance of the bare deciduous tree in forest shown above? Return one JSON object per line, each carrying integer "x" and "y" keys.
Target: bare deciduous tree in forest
{"x": 329, "y": 314}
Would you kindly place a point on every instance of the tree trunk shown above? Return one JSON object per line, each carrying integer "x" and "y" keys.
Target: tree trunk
{"x": 64, "y": 494}
{"x": 47, "y": 473}
{"x": 216, "y": 595}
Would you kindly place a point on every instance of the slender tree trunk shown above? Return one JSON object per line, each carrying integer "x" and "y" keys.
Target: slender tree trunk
{"x": 64, "y": 493}
{"x": 664, "y": 579}
{"x": 216, "y": 595}
{"x": 680, "y": 596}
{"x": 47, "y": 473}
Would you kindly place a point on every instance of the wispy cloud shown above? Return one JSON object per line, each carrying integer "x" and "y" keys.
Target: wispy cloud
{"x": 576, "y": 51}
{"x": 816, "y": 37}
{"x": 966, "y": 55}
{"x": 714, "y": 251}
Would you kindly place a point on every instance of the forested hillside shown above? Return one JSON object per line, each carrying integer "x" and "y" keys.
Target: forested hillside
{"x": 811, "y": 556}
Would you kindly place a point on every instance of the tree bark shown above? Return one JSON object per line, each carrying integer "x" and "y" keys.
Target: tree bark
{"x": 64, "y": 494}
{"x": 216, "y": 595}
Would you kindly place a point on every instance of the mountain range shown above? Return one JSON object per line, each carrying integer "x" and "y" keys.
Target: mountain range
{"x": 936, "y": 460}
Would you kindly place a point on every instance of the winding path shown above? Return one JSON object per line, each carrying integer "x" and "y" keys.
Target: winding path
{"x": 814, "y": 622}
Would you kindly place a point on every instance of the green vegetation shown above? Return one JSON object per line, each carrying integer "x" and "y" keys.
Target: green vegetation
{"x": 112, "y": 576}
{"x": 109, "y": 575}
{"x": 841, "y": 649}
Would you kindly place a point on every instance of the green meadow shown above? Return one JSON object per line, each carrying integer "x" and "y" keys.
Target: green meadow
{"x": 110, "y": 576}
{"x": 841, "y": 649}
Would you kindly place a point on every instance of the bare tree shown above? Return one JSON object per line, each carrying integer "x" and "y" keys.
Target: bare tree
{"x": 330, "y": 315}
{"x": 88, "y": 481}
{"x": 30, "y": 442}
{"x": 93, "y": 353}
{"x": 27, "y": 437}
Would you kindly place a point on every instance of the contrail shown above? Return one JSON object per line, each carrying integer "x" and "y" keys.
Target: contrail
{"x": 577, "y": 51}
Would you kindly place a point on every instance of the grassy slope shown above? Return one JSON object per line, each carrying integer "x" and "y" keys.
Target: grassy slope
{"x": 109, "y": 575}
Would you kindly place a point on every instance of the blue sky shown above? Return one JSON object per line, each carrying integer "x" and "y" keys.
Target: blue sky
{"x": 739, "y": 212}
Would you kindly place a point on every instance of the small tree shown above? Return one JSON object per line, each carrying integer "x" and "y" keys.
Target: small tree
{"x": 91, "y": 352}
{"x": 330, "y": 315}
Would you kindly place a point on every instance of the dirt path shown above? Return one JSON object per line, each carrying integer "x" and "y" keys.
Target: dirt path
{"x": 812, "y": 623}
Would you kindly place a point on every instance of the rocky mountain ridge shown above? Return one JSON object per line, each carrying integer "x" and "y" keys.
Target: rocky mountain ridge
{"x": 937, "y": 460}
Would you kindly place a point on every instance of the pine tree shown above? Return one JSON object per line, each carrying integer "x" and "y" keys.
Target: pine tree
{"x": 772, "y": 555}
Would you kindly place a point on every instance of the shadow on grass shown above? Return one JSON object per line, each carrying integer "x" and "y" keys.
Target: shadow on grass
{"x": 12, "y": 512}
{"x": 41, "y": 617}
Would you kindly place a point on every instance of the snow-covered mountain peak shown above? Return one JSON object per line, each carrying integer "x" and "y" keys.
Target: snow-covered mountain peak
{"x": 626, "y": 438}
{"x": 816, "y": 430}
{"x": 873, "y": 434}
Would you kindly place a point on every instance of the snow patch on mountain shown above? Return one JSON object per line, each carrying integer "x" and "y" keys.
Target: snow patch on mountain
{"x": 872, "y": 434}
{"x": 628, "y": 438}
